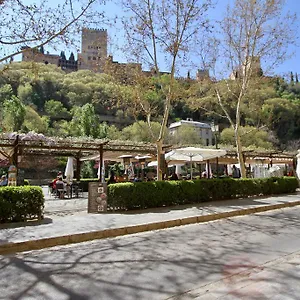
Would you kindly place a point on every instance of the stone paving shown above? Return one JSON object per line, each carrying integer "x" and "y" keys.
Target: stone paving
{"x": 67, "y": 220}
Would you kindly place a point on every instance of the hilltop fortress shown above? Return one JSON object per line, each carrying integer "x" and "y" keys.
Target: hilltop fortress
{"x": 93, "y": 57}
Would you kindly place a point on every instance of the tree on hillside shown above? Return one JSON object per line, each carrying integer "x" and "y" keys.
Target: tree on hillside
{"x": 283, "y": 115}
{"x": 169, "y": 29}
{"x": 254, "y": 33}
{"x": 86, "y": 123}
{"x": 34, "y": 25}
{"x": 250, "y": 137}
{"x": 14, "y": 112}
{"x": 33, "y": 122}
{"x": 6, "y": 92}
{"x": 55, "y": 109}
{"x": 138, "y": 132}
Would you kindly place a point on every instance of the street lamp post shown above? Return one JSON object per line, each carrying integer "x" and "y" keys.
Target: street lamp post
{"x": 215, "y": 130}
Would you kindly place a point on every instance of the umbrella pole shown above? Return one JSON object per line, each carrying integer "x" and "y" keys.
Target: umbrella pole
{"x": 191, "y": 163}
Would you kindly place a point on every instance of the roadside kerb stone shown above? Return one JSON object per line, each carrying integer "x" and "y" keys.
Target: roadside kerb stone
{"x": 189, "y": 220}
{"x": 114, "y": 232}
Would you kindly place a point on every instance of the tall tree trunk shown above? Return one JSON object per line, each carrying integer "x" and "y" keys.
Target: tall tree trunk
{"x": 239, "y": 151}
{"x": 159, "y": 142}
{"x": 160, "y": 159}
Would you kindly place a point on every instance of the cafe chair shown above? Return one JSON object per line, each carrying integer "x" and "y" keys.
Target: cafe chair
{"x": 60, "y": 190}
{"x": 77, "y": 190}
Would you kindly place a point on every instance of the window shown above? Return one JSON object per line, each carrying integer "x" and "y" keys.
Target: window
{"x": 89, "y": 58}
{"x": 94, "y": 58}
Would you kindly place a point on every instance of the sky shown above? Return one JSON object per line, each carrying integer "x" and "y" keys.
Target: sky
{"x": 115, "y": 34}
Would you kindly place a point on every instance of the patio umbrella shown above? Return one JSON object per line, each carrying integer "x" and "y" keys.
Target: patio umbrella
{"x": 193, "y": 154}
{"x": 69, "y": 171}
{"x": 152, "y": 163}
{"x": 298, "y": 165}
{"x": 229, "y": 170}
{"x": 99, "y": 171}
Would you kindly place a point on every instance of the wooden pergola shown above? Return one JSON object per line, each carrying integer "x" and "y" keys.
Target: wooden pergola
{"x": 16, "y": 146}
{"x": 260, "y": 157}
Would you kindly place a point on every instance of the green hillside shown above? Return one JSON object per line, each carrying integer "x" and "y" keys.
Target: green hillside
{"x": 45, "y": 99}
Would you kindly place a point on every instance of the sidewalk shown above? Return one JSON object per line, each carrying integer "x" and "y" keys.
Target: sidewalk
{"x": 67, "y": 221}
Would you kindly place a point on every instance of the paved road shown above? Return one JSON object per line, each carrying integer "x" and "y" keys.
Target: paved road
{"x": 249, "y": 257}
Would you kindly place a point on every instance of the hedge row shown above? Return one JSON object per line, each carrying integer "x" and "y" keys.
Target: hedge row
{"x": 21, "y": 203}
{"x": 141, "y": 195}
{"x": 84, "y": 183}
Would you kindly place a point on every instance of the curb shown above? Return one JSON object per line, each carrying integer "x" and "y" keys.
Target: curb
{"x": 10, "y": 248}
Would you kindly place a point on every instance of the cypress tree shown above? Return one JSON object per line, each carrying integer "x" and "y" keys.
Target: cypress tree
{"x": 72, "y": 57}
{"x": 292, "y": 78}
{"x": 188, "y": 75}
{"x": 42, "y": 49}
{"x": 62, "y": 55}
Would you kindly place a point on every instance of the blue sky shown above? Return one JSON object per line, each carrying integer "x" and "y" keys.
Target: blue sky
{"x": 115, "y": 33}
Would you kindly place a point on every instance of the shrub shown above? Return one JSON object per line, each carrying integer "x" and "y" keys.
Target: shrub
{"x": 141, "y": 195}
{"x": 21, "y": 203}
{"x": 84, "y": 183}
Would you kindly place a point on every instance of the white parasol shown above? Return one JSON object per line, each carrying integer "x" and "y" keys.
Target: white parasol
{"x": 69, "y": 171}
{"x": 193, "y": 154}
{"x": 298, "y": 165}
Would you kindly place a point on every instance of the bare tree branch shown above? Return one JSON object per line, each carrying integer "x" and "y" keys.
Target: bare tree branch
{"x": 35, "y": 26}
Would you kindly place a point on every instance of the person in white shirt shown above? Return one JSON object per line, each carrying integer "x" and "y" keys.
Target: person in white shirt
{"x": 3, "y": 180}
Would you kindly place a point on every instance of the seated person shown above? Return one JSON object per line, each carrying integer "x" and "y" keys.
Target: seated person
{"x": 111, "y": 179}
{"x": 150, "y": 176}
{"x": 236, "y": 173}
{"x": 137, "y": 179}
{"x": 59, "y": 175}
{"x": 174, "y": 176}
{"x": 3, "y": 180}
{"x": 60, "y": 182}
{"x": 54, "y": 183}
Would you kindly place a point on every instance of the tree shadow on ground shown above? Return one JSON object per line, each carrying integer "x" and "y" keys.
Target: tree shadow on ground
{"x": 155, "y": 265}
{"x": 27, "y": 223}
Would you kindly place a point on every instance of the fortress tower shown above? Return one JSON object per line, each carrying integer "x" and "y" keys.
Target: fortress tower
{"x": 256, "y": 68}
{"x": 93, "y": 49}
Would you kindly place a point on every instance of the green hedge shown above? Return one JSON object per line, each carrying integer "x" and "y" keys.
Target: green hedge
{"x": 84, "y": 183}
{"x": 141, "y": 195}
{"x": 21, "y": 203}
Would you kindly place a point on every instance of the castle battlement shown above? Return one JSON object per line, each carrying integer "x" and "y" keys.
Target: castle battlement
{"x": 87, "y": 29}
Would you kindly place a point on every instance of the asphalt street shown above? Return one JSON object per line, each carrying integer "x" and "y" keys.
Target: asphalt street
{"x": 247, "y": 257}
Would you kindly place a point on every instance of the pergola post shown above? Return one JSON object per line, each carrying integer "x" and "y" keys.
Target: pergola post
{"x": 78, "y": 167}
{"x": 208, "y": 169}
{"x": 101, "y": 179}
{"x": 15, "y": 154}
